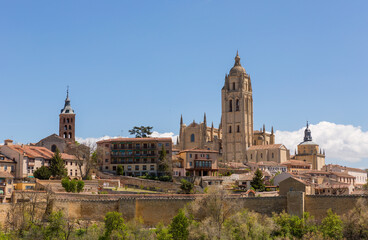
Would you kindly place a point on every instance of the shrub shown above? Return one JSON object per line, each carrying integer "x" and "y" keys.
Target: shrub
{"x": 72, "y": 185}
{"x": 42, "y": 173}
{"x": 186, "y": 187}
{"x": 165, "y": 178}
{"x": 80, "y": 185}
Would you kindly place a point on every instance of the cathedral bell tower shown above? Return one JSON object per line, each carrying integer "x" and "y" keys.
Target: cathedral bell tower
{"x": 237, "y": 114}
{"x": 67, "y": 121}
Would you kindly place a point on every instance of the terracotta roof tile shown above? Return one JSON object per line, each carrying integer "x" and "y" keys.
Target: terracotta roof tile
{"x": 261, "y": 147}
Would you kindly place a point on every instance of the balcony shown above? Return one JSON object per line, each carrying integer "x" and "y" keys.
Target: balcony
{"x": 202, "y": 165}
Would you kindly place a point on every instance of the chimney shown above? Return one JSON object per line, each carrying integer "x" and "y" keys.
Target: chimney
{"x": 8, "y": 142}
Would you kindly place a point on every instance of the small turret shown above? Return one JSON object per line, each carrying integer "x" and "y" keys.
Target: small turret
{"x": 307, "y": 134}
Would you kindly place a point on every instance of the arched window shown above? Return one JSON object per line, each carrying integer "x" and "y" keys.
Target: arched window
{"x": 67, "y": 120}
{"x": 233, "y": 86}
{"x": 230, "y": 105}
{"x": 65, "y": 135}
{"x": 70, "y": 135}
{"x": 238, "y": 128}
{"x": 192, "y": 138}
{"x": 229, "y": 129}
{"x": 53, "y": 148}
{"x": 65, "y": 127}
{"x": 70, "y": 127}
{"x": 237, "y": 105}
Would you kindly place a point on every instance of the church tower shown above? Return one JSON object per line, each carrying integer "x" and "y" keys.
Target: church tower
{"x": 237, "y": 114}
{"x": 67, "y": 121}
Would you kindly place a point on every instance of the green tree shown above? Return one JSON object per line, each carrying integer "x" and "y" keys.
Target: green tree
{"x": 162, "y": 233}
{"x": 57, "y": 166}
{"x": 294, "y": 226}
{"x": 80, "y": 185}
{"x": 120, "y": 170}
{"x": 164, "y": 167}
{"x": 141, "y": 132}
{"x": 257, "y": 182}
{"x": 115, "y": 227}
{"x": 55, "y": 227}
{"x": 356, "y": 221}
{"x": 42, "y": 173}
{"x": 332, "y": 226}
{"x": 179, "y": 226}
{"x": 186, "y": 186}
{"x": 248, "y": 225}
{"x": 72, "y": 185}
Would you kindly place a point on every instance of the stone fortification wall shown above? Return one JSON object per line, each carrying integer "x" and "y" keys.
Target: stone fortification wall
{"x": 55, "y": 185}
{"x": 318, "y": 205}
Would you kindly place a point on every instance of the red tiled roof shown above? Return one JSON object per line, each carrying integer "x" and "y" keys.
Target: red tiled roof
{"x": 260, "y": 147}
{"x": 6, "y": 175}
{"x": 135, "y": 140}
{"x": 38, "y": 152}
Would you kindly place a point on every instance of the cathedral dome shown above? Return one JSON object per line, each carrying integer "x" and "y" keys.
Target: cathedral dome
{"x": 237, "y": 69}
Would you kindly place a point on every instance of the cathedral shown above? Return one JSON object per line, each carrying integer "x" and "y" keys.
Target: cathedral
{"x": 235, "y": 134}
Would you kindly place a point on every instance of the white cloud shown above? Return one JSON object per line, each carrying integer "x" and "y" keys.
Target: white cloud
{"x": 92, "y": 141}
{"x": 341, "y": 142}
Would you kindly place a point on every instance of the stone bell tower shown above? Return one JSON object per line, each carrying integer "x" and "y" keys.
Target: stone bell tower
{"x": 67, "y": 121}
{"x": 237, "y": 114}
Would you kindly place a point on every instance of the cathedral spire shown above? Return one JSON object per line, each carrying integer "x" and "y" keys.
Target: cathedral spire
{"x": 237, "y": 59}
{"x": 205, "y": 119}
{"x": 67, "y": 108}
{"x": 307, "y": 134}
{"x": 181, "y": 119}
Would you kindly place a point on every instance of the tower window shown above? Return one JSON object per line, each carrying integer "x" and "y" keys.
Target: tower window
{"x": 67, "y": 120}
{"x": 70, "y": 135}
{"x": 237, "y": 105}
{"x": 230, "y": 105}
{"x": 261, "y": 155}
{"x": 238, "y": 128}
{"x": 65, "y": 135}
{"x": 65, "y": 127}
{"x": 233, "y": 86}
{"x": 70, "y": 127}
{"x": 229, "y": 129}
{"x": 192, "y": 138}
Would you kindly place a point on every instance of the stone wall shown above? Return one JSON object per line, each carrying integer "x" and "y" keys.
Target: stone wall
{"x": 318, "y": 205}
{"x": 153, "y": 209}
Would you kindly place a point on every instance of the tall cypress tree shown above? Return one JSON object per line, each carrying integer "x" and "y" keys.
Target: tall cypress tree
{"x": 257, "y": 182}
{"x": 57, "y": 166}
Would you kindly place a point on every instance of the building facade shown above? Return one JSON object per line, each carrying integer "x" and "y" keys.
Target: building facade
{"x": 237, "y": 114}
{"x": 198, "y": 135}
{"x": 265, "y": 153}
{"x": 309, "y": 152}
{"x": 197, "y": 162}
{"x": 29, "y": 158}
{"x": 137, "y": 156}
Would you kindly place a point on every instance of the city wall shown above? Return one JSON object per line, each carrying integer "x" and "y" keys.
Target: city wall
{"x": 153, "y": 209}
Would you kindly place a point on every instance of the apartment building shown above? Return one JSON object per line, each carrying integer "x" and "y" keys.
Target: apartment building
{"x": 137, "y": 156}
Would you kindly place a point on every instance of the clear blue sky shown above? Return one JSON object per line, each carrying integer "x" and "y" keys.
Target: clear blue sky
{"x": 146, "y": 62}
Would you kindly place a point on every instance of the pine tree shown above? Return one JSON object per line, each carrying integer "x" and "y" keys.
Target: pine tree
{"x": 257, "y": 182}
{"x": 57, "y": 166}
{"x": 179, "y": 226}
